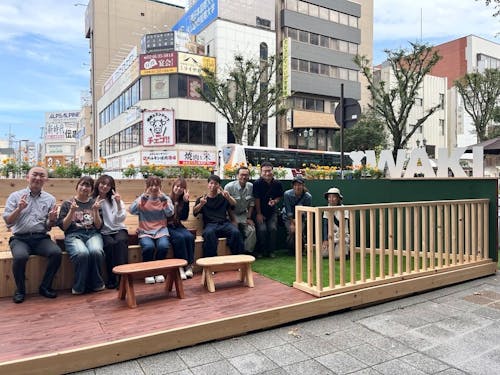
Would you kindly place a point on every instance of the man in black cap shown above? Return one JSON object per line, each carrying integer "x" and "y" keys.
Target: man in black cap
{"x": 296, "y": 196}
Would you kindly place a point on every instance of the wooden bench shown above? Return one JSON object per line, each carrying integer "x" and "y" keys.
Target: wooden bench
{"x": 64, "y": 188}
{"x": 169, "y": 268}
{"x": 241, "y": 263}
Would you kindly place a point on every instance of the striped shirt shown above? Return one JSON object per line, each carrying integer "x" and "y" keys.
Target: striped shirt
{"x": 153, "y": 213}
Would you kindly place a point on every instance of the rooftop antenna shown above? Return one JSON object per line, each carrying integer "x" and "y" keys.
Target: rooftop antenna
{"x": 421, "y": 17}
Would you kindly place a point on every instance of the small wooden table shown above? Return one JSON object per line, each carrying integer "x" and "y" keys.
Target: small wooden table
{"x": 243, "y": 263}
{"x": 169, "y": 268}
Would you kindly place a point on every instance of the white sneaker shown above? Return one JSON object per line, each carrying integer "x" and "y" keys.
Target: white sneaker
{"x": 149, "y": 280}
{"x": 189, "y": 272}
{"x": 160, "y": 279}
{"x": 183, "y": 274}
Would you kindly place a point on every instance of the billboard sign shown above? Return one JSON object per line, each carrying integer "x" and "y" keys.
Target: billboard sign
{"x": 199, "y": 16}
{"x": 158, "y": 128}
{"x": 205, "y": 158}
{"x": 193, "y": 64}
{"x": 159, "y": 157}
{"x": 158, "y": 63}
{"x": 60, "y": 126}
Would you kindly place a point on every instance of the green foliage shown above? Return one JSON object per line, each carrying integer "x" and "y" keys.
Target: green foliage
{"x": 246, "y": 96}
{"x": 495, "y": 4}
{"x": 480, "y": 93}
{"x": 66, "y": 171}
{"x": 368, "y": 134}
{"x": 93, "y": 169}
{"x": 393, "y": 102}
{"x": 152, "y": 170}
{"x": 9, "y": 167}
{"x": 130, "y": 171}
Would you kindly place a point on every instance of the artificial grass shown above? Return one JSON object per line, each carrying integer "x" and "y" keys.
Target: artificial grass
{"x": 282, "y": 268}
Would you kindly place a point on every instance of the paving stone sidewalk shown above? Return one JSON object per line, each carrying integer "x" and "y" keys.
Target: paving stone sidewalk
{"x": 453, "y": 330}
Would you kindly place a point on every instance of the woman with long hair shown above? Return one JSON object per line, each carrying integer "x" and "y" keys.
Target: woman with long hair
{"x": 114, "y": 231}
{"x": 80, "y": 219}
{"x": 181, "y": 238}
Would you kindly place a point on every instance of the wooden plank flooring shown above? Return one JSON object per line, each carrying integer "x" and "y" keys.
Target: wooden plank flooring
{"x": 41, "y": 326}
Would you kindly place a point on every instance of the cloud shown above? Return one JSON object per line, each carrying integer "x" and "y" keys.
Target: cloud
{"x": 51, "y": 19}
{"x": 396, "y": 20}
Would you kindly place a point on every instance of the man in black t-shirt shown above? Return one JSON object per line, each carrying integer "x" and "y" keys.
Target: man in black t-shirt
{"x": 267, "y": 192}
{"x": 218, "y": 219}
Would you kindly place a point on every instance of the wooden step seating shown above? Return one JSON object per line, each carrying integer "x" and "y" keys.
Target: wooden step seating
{"x": 241, "y": 263}
{"x": 169, "y": 268}
{"x": 35, "y": 268}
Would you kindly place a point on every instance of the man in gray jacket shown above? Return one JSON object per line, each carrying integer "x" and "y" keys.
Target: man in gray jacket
{"x": 242, "y": 192}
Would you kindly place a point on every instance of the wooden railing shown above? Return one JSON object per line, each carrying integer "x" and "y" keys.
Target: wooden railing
{"x": 388, "y": 243}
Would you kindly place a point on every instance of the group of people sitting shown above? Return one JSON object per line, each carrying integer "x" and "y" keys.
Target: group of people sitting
{"x": 93, "y": 221}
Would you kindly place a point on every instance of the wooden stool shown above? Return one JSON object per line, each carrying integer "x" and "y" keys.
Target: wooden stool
{"x": 243, "y": 263}
{"x": 169, "y": 268}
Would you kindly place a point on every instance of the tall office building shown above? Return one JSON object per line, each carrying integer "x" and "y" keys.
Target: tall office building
{"x": 320, "y": 39}
{"x": 114, "y": 29}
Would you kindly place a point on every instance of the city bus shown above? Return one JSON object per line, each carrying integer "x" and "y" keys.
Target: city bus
{"x": 291, "y": 160}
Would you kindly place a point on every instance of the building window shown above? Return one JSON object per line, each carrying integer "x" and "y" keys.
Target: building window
{"x": 303, "y": 66}
{"x": 441, "y": 127}
{"x": 303, "y": 36}
{"x": 324, "y": 41}
{"x": 314, "y": 68}
{"x": 313, "y": 10}
{"x": 291, "y": 5}
{"x": 353, "y": 21}
{"x": 302, "y": 7}
{"x": 441, "y": 101}
{"x": 343, "y": 19}
{"x": 292, "y": 33}
{"x": 195, "y": 132}
{"x": 418, "y": 102}
{"x": 334, "y": 16}
{"x": 324, "y": 13}
{"x": 263, "y": 51}
{"x": 314, "y": 39}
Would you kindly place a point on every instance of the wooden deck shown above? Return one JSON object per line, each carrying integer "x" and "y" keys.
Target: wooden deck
{"x": 40, "y": 327}
{"x": 70, "y": 333}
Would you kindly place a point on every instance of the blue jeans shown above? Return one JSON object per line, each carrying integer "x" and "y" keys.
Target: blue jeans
{"x": 86, "y": 252}
{"x": 148, "y": 246}
{"x": 183, "y": 243}
{"x": 213, "y": 232}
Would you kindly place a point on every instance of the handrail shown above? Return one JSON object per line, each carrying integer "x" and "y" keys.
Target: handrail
{"x": 381, "y": 243}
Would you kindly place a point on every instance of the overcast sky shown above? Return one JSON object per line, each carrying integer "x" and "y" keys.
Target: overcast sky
{"x": 44, "y": 56}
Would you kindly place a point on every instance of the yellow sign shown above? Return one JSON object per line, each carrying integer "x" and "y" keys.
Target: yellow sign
{"x": 286, "y": 76}
{"x": 188, "y": 63}
{"x": 145, "y": 72}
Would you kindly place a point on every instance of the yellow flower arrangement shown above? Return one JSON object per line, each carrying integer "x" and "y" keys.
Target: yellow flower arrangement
{"x": 322, "y": 172}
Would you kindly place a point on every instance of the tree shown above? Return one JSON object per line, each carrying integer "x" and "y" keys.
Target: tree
{"x": 394, "y": 102}
{"x": 246, "y": 96}
{"x": 496, "y": 6}
{"x": 480, "y": 93}
{"x": 368, "y": 134}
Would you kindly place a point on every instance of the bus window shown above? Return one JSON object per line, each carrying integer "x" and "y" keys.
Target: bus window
{"x": 290, "y": 159}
